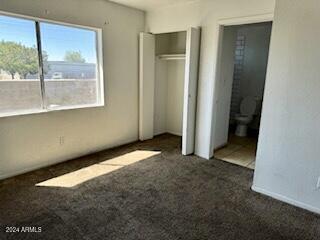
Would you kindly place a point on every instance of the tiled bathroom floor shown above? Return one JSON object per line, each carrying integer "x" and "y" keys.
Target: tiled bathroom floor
{"x": 240, "y": 151}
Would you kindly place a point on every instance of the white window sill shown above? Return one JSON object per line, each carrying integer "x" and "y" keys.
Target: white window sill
{"x": 36, "y": 111}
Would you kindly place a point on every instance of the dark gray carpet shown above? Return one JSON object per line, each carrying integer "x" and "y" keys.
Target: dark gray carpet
{"x": 164, "y": 197}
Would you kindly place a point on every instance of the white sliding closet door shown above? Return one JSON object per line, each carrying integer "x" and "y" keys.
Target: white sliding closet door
{"x": 146, "y": 85}
{"x": 190, "y": 90}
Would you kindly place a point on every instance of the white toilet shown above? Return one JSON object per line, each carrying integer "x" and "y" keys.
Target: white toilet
{"x": 247, "y": 110}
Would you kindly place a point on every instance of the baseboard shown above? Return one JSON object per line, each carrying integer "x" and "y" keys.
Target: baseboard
{"x": 286, "y": 200}
{"x": 32, "y": 168}
{"x": 175, "y": 133}
{"x": 71, "y": 157}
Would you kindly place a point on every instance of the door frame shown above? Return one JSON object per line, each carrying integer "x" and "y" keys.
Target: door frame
{"x": 260, "y": 18}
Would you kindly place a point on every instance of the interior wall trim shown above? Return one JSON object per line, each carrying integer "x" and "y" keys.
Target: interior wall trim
{"x": 282, "y": 198}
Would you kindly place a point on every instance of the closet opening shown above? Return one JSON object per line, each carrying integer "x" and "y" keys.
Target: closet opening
{"x": 170, "y": 51}
{"x": 168, "y": 85}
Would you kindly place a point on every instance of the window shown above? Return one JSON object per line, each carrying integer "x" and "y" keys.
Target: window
{"x": 47, "y": 66}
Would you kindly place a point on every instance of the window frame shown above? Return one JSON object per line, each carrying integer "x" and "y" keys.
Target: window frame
{"x": 99, "y": 67}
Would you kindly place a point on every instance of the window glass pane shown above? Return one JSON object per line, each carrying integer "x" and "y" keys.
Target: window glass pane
{"x": 71, "y": 65}
{"x": 19, "y": 69}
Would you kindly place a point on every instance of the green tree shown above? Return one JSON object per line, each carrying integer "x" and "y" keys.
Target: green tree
{"x": 17, "y": 58}
{"x": 74, "y": 56}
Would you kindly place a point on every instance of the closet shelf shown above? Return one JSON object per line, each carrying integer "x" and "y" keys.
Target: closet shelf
{"x": 172, "y": 56}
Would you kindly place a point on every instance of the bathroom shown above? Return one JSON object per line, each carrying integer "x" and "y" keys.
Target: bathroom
{"x": 247, "y": 48}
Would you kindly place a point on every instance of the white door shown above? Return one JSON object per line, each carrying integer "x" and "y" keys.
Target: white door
{"x": 146, "y": 85}
{"x": 190, "y": 90}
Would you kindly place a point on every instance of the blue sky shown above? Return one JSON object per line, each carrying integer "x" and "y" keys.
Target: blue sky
{"x": 55, "y": 39}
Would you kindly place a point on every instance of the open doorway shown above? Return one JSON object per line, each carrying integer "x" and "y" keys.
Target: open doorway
{"x": 243, "y": 64}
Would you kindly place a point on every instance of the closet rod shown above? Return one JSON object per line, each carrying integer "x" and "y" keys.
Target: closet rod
{"x": 172, "y": 56}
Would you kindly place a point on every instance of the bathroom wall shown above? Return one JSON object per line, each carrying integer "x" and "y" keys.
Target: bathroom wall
{"x": 256, "y": 51}
{"x": 237, "y": 74}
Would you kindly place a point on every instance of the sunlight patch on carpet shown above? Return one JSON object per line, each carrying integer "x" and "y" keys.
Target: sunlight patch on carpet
{"x": 77, "y": 177}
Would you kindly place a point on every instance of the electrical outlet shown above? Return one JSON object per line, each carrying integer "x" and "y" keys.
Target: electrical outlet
{"x": 318, "y": 183}
{"x": 61, "y": 140}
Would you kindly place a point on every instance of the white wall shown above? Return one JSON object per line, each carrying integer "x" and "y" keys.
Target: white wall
{"x": 205, "y": 13}
{"x": 32, "y": 141}
{"x": 288, "y": 164}
{"x": 160, "y": 97}
{"x": 168, "y": 95}
{"x": 175, "y": 96}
